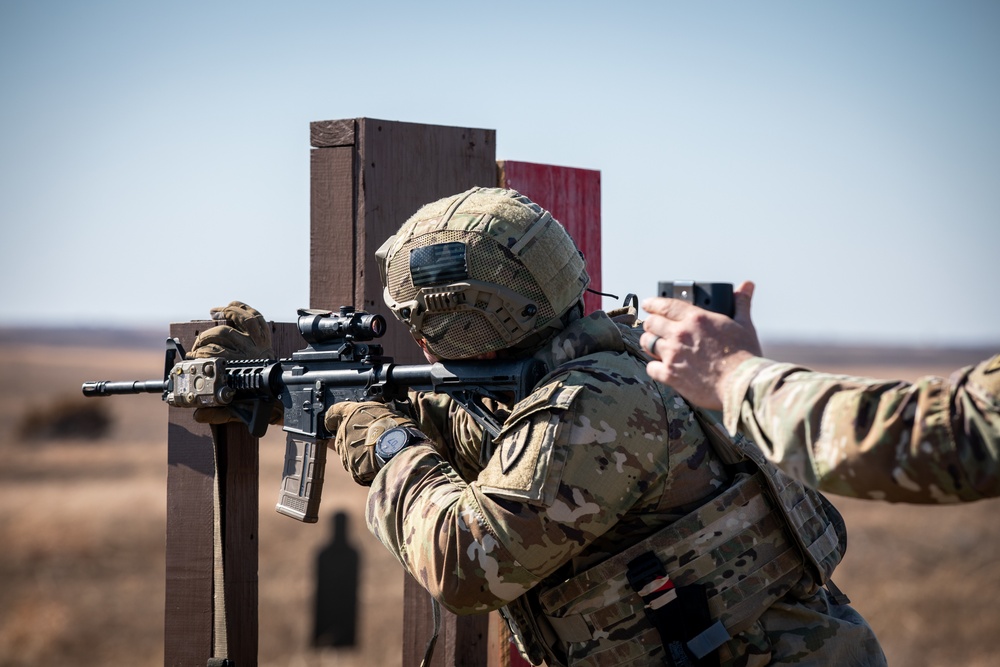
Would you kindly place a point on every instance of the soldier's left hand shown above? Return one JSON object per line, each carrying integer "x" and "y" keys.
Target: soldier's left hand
{"x": 356, "y": 428}
{"x": 242, "y": 334}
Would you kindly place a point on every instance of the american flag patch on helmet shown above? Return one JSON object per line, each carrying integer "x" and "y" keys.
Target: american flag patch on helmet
{"x": 438, "y": 264}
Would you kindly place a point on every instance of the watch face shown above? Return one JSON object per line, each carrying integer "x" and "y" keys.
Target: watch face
{"x": 390, "y": 442}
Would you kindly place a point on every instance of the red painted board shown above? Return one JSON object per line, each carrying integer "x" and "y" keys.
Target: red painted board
{"x": 573, "y": 197}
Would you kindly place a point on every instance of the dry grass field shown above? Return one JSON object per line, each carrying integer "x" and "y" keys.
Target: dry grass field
{"x": 82, "y": 524}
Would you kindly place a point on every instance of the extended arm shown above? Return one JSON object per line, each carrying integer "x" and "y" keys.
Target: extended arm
{"x": 933, "y": 441}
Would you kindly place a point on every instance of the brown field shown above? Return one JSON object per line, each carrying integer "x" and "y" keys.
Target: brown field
{"x": 82, "y": 526}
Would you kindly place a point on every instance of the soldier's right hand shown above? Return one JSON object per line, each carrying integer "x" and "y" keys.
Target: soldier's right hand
{"x": 356, "y": 428}
{"x": 695, "y": 351}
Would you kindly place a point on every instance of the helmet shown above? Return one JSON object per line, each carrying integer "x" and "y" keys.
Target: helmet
{"x": 481, "y": 271}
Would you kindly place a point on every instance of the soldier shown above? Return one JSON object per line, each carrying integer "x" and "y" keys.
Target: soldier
{"x": 932, "y": 441}
{"x": 609, "y": 522}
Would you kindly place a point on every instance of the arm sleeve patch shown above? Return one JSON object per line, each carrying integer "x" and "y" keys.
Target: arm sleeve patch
{"x": 526, "y": 464}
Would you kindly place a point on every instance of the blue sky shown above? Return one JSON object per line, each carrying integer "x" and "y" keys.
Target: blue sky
{"x": 844, "y": 155}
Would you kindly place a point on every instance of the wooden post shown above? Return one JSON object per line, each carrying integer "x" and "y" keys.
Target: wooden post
{"x": 191, "y": 574}
{"x": 189, "y": 543}
{"x": 368, "y": 177}
{"x": 573, "y": 197}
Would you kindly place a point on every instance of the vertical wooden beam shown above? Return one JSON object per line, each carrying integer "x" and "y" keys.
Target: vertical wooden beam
{"x": 238, "y": 467}
{"x": 368, "y": 177}
{"x": 194, "y": 458}
{"x": 189, "y": 540}
{"x": 332, "y": 250}
{"x": 573, "y": 197}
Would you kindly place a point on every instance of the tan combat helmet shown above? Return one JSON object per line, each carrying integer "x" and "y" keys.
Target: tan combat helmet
{"x": 481, "y": 271}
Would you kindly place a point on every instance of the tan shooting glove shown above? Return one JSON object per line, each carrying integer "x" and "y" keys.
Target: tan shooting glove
{"x": 356, "y": 428}
{"x": 245, "y": 334}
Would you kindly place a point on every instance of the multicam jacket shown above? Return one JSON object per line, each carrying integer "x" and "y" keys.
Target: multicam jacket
{"x": 933, "y": 441}
{"x": 595, "y": 459}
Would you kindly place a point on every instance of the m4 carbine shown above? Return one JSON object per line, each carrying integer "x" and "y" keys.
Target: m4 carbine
{"x": 338, "y": 364}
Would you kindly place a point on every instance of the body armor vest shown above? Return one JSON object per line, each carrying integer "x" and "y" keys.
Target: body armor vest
{"x": 762, "y": 538}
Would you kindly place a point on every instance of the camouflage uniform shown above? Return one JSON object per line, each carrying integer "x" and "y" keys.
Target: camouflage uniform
{"x": 602, "y": 520}
{"x": 598, "y": 457}
{"x": 933, "y": 441}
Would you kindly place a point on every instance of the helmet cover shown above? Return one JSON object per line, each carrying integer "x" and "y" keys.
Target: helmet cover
{"x": 480, "y": 271}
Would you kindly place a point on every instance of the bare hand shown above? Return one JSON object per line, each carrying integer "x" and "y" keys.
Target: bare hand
{"x": 694, "y": 350}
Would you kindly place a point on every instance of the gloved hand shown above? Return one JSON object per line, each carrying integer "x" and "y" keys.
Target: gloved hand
{"x": 245, "y": 334}
{"x": 356, "y": 428}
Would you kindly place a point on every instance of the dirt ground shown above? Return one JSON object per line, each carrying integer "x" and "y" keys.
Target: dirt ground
{"x": 82, "y": 526}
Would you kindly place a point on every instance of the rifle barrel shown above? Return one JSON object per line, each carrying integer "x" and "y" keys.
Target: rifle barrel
{"x": 105, "y": 388}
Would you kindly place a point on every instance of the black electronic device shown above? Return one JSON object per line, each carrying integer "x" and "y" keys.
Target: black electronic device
{"x": 716, "y": 297}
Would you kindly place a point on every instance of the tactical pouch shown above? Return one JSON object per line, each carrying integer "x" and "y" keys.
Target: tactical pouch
{"x": 735, "y": 546}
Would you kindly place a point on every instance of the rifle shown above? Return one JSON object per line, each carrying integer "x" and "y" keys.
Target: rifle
{"x": 338, "y": 364}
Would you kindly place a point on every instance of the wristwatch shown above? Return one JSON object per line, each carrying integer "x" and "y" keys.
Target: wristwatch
{"x": 392, "y": 442}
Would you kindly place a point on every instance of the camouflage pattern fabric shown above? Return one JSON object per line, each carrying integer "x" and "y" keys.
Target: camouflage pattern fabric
{"x": 596, "y": 459}
{"x": 484, "y": 270}
{"x": 933, "y": 441}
